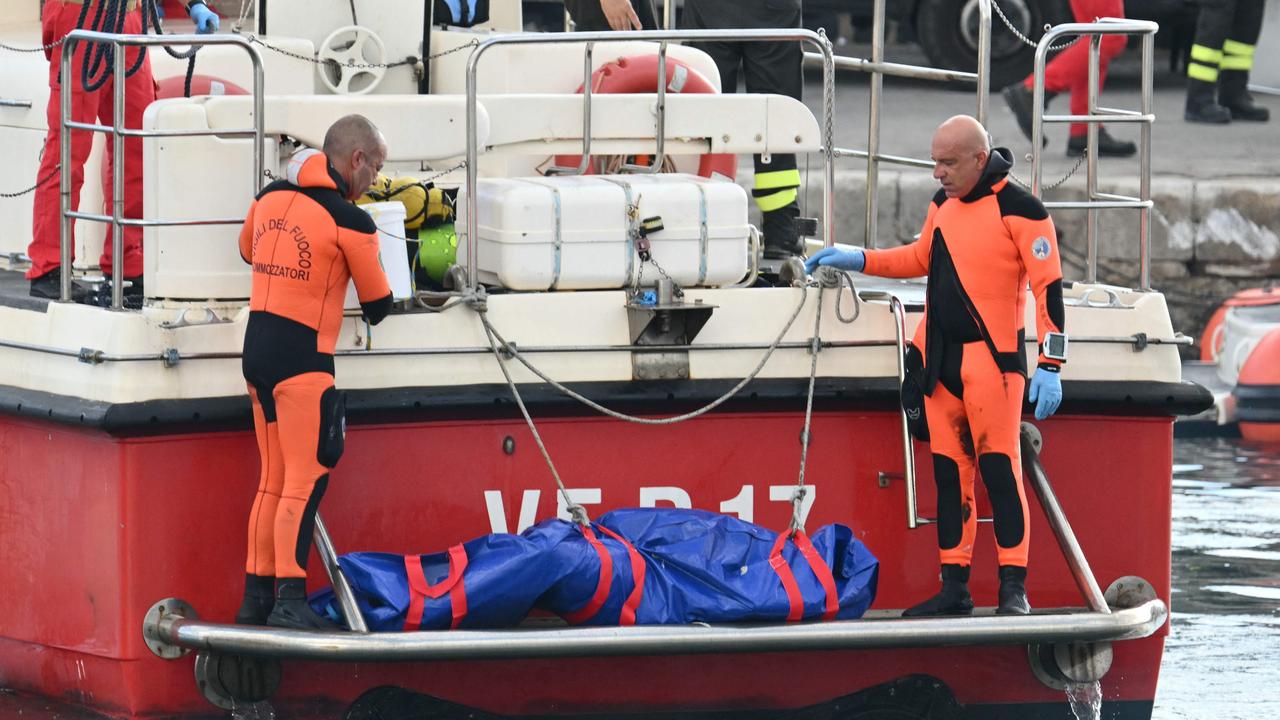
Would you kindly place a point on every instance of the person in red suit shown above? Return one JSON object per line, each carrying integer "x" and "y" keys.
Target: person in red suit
{"x": 1070, "y": 71}
{"x": 93, "y": 101}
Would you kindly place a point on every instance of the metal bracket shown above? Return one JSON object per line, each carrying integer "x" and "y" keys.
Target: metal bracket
{"x": 210, "y": 318}
{"x": 90, "y": 356}
{"x": 151, "y": 627}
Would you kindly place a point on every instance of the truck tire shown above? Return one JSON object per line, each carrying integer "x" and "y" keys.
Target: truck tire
{"x": 948, "y": 33}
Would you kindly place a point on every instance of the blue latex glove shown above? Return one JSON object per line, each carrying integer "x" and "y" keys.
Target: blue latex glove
{"x": 205, "y": 19}
{"x": 1045, "y": 393}
{"x": 835, "y": 257}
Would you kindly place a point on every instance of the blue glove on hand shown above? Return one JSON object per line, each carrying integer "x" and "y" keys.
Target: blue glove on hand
{"x": 835, "y": 257}
{"x": 1045, "y": 393}
{"x": 205, "y": 19}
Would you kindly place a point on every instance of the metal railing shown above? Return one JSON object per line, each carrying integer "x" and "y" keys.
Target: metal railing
{"x": 1096, "y": 115}
{"x": 662, "y": 37}
{"x": 878, "y": 68}
{"x": 119, "y": 132}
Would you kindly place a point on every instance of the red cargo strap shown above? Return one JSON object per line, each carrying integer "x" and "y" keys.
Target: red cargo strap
{"x": 816, "y": 564}
{"x": 629, "y": 608}
{"x": 628, "y": 613}
{"x": 420, "y": 589}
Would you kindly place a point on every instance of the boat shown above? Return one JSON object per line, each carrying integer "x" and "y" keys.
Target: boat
{"x": 1238, "y": 355}
{"x": 131, "y": 460}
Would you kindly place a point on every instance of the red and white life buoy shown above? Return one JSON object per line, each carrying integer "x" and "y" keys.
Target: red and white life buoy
{"x": 639, "y": 74}
{"x": 175, "y": 86}
{"x": 1211, "y": 340}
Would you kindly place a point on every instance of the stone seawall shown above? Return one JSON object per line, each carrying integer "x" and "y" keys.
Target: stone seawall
{"x": 1209, "y": 237}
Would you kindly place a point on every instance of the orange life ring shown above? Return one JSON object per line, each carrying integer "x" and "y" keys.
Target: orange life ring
{"x": 1211, "y": 339}
{"x": 639, "y": 74}
{"x": 175, "y": 86}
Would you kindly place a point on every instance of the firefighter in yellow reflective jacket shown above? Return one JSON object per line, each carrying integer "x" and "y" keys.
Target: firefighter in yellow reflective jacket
{"x": 767, "y": 67}
{"x": 1221, "y": 58}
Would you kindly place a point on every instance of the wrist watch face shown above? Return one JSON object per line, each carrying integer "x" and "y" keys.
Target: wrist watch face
{"x": 1055, "y": 346}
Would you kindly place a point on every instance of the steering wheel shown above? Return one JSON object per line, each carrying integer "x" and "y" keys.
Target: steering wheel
{"x": 352, "y": 56}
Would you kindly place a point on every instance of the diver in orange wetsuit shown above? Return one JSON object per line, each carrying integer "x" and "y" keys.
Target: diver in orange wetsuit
{"x": 305, "y": 239}
{"x": 983, "y": 239}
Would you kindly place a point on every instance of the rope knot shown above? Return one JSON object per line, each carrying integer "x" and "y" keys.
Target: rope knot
{"x": 579, "y": 514}
{"x": 478, "y": 300}
{"x": 797, "y": 501}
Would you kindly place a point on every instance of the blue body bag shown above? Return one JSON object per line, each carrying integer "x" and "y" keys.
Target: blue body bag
{"x": 638, "y": 566}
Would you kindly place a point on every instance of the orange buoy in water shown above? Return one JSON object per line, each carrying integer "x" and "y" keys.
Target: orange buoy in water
{"x": 1211, "y": 340}
{"x": 1257, "y": 392}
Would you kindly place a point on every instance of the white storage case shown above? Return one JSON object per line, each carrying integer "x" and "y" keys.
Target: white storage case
{"x": 580, "y": 232}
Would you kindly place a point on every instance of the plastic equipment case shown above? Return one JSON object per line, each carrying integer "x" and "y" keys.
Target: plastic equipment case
{"x": 580, "y": 232}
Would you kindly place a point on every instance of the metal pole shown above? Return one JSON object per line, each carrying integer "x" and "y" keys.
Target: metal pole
{"x": 668, "y": 18}
{"x": 873, "y": 124}
{"x": 660, "y": 151}
{"x": 867, "y": 633}
{"x": 828, "y": 143}
{"x": 984, "y": 59}
{"x": 1071, "y": 551}
{"x": 117, "y": 178}
{"x": 1091, "y": 148}
{"x": 259, "y": 119}
{"x": 908, "y": 449}
{"x": 64, "y": 169}
{"x": 472, "y": 219}
{"x": 1144, "y": 163}
{"x": 341, "y": 588}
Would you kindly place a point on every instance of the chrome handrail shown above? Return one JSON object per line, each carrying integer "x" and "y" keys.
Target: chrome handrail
{"x": 1067, "y": 625}
{"x": 1096, "y": 115}
{"x": 118, "y": 131}
{"x": 659, "y": 36}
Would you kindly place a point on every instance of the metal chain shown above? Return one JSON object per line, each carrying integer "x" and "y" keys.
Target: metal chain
{"x": 1027, "y": 40}
{"x": 42, "y": 48}
{"x": 52, "y": 173}
{"x": 362, "y": 66}
{"x": 1053, "y": 185}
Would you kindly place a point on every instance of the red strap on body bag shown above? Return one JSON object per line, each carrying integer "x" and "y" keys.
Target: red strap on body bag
{"x": 420, "y": 589}
{"x": 816, "y": 564}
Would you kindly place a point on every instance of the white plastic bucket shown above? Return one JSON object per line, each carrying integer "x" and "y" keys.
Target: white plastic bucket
{"x": 389, "y": 217}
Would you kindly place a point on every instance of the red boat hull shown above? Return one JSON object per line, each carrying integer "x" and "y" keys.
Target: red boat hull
{"x": 96, "y": 528}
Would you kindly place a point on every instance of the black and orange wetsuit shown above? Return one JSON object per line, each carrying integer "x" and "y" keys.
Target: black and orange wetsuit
{"x": 979, "y": 252}
{"x": 305, "y": 241}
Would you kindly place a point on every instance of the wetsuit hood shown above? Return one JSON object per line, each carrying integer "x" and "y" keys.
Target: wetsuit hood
{"x": 311, "y": 168}
{"x": 999, "y": 163}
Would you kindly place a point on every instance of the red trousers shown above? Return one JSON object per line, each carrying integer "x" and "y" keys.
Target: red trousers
{"x": 57, "y": 20}
{"x": 1070, "y": 69}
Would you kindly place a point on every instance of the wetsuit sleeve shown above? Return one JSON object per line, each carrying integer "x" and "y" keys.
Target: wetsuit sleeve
{"x": 246, "y": 235}
{"x": 1037, "y": 242}
{"x": 907, "y": 261}
{"x": 361, "y": 251}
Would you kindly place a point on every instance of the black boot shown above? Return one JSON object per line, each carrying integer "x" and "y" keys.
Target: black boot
{"x": 259, "y": 598}
{"x": 49, "y": 287}
{"x": 781, "y": 240}
{"x": 1201, "y": 105}
{"x": 954, "y": 598}
{"x": 1107, "y": 145}
{"x": 1013, "y": 591}
{"x": 292, "y": 610}
{"x": 1233, "y": 94}
{"x": 1022, "y": 102}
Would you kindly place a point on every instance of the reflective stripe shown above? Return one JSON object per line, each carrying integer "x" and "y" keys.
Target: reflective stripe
{"x": 1206, "y": 54}
{"x": 1195, "y": 71}
{"x": 776, "y": 201}
{"x": 1232, "y": 47}
{"x": 778, "y": 179}
{"x": 1237, "y": 62}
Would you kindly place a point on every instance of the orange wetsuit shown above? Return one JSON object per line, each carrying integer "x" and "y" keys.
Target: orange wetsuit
{"x": 305, "y": 241}
{"x": 979, "y": 252}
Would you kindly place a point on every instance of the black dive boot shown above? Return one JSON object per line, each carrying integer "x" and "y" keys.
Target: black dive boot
{"x": 781, "y": 240}
{"x": 1233, "y": 94}
{"x": 954, "y": 598}
{"x": 292, "y": 610}
{"x": 1201, "y": 105}
{"x": 259, "y": 598}
{"x": 1013, "y": 591}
